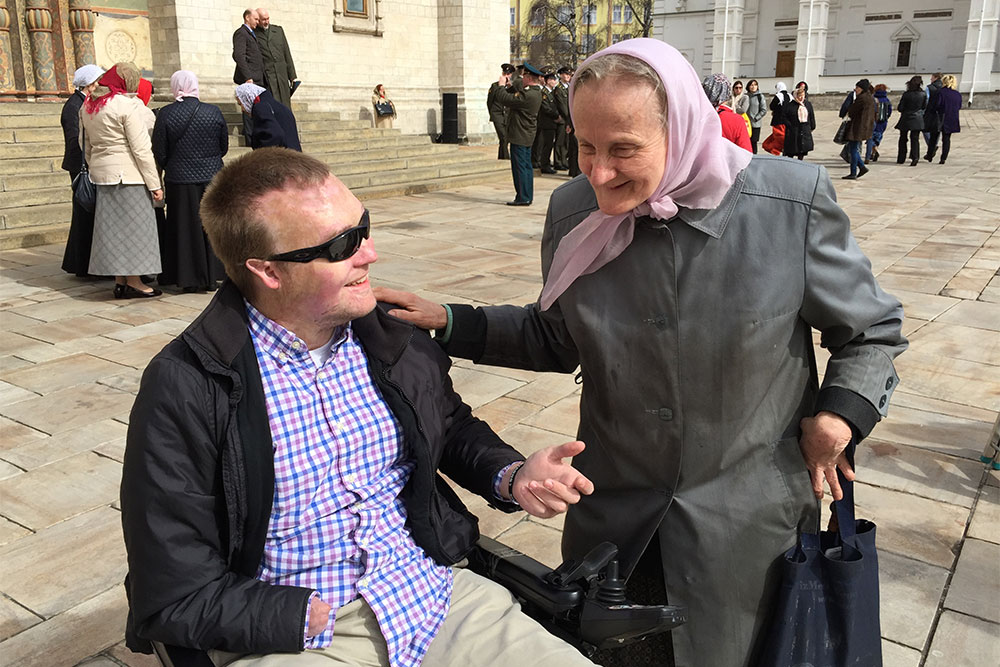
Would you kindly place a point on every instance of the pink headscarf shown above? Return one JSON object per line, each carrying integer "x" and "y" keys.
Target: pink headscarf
{"x": 701, "y": 168}
{"x": 183, "y": 83}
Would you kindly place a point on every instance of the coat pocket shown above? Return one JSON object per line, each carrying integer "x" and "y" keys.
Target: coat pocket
{"x": 801, "y": 503}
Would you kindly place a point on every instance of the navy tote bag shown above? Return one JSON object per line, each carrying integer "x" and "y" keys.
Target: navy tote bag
{"x": 827, "y": 607}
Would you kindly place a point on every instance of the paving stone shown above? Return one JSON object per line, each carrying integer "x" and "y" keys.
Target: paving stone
{"x": 136, "y": 353}
{"x": 72, "y": 486}
{"x": 909, "y": 592}
{"x": 918, "y": 528}
{"x": 950, "y": 408}
{"x": 10, "y": 531}
{"x": 60, "y": 331}
{"x": 959, "y": 342}
{"x": 99, "y": 661}
{"x": 121, "y": 653}
{"x": 974, "y": 314}
{"x": 72, "y": 636}
{"x": 170, "y": 326}
{"x": 12, "y": 394}
{"x": 964, "y": 641}
{"x": 528, "y": 439}
{"x": 535, "y": 540}
{"x": 126, "y": 381}
{"x": 547, "y": 388}
{"x": 138, "y": 313}
{"x": 986, "y": 518}
{"x": 53, "y": 448}
{"x": 932, "y": 431}
{"x": 949, "y": 379}
{"x": 63, "y": 309}
{"x": 894, "y": 655}
{"x": 562, "y": 417}
{"x": 44, "y": 378}
{"x": 85, "y": 556}
{"x": 919, "y": 472}
{"x": 69, "y": 408}
{"x": 14, "y": 344}
{"x": 478, "y": 388}
{"x": 14, "y": 435}
{"x": 8, "y": 470}
{"x": 504, "y": 412}
{"x": 14, "y": 618}
{"x": 975, "y": 588}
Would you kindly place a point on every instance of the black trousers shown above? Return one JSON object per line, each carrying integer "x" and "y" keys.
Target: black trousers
{"x": 945, "y": 145}
{"x": 247, "y": 128}
{"x": 754, "y": 138}
{"x": 548, "y": 143}
{"x": 914, "y": 145}
{"x": 932, "y": 143}
{"x": 572, "y": 155}
{"x": 560, "y": 156}
{"x": 503, "y": 152}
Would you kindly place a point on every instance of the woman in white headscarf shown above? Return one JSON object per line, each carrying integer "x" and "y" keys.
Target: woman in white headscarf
{"x": 775, "y": 143}
{"x": 76, "y": 258}
{"x": 273, "y": 122}
{"x": 189, "y": 140}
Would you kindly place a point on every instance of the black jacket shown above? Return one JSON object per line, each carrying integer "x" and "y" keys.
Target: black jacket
{"x": 198, "y": 479}
{"x": 70, "y": 119}
{"x": 249, "y": 60}
{"x": 189, "y": 140}
{"x": 778, "y": 103}
{"x": 798, "y": 135}
{"x": 273, "y": 124}
{"x": 911, "y": 110}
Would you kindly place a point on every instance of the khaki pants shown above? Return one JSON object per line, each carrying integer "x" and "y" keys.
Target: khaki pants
{"x": 484, "y": 628}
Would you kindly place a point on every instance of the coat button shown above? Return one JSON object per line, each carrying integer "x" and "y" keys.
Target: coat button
{"x": 888, "y": 384}
{"x": 666, "y": 414}
{"x": 881, "y": 402}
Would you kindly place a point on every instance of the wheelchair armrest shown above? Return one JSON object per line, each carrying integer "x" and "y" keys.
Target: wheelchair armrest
{"x": 582, "y": 602}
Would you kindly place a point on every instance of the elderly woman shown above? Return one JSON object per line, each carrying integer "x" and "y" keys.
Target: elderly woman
{"x": 684, "y": 279}
{"x": 115, "y": 137}
{"x": 775, "y": 143}
{"x": 189, "y": 140}
{"x": 76, "y": 258}
{"x": 800, "y": 121}
{"x": 382, "y": 119}
{"x": 273, "y": 122}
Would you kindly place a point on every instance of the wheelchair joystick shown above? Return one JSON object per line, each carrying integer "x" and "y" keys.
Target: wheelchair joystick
{"x": 611, "y": 589}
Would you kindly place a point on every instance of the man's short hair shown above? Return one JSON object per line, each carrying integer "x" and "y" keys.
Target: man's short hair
{"x": 246, "y": 14}
{"x": 229, "y": 209}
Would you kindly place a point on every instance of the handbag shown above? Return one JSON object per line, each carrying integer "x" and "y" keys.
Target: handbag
{"x": 84, "y": 190}
{"x": 827, "y": 604}
{"x": 384, "y": 109}
{"x": 841, "y": 136}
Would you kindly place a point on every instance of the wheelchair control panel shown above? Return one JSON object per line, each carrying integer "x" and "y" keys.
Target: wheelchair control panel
{"x": 582, "y": 602}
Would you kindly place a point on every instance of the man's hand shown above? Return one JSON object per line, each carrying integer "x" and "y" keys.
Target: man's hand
{"x": 319, "y": 617}
{"x": 546, "y": 485}
{"x": 824, "y": 439}
{"x": 414, "y": 309}
{"x": 249, "y": 81}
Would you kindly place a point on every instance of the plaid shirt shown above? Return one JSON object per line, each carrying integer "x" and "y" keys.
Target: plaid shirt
{"x": 337, "y": 524}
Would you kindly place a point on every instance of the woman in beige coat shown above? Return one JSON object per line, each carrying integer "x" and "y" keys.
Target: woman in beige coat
{"x": 379, "y": 98}
{"x": 115, "y": 140}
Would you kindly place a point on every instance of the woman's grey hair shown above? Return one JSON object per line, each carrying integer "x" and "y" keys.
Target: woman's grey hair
{"x": 627, "y": 68}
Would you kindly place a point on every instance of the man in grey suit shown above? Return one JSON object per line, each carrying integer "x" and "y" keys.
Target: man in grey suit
{"x": 249, "y": 61}
{"x": 279, "y": 70}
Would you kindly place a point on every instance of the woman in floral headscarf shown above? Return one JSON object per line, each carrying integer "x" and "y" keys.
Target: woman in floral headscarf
{"x": 117, "y": 147}
{"x": 683, "y": 278}
{"x": 273, "y": 122}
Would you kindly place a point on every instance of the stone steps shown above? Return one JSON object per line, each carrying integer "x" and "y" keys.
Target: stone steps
{"x": 35, "y": 197}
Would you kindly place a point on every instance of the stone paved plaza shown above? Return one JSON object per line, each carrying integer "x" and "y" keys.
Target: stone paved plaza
{"x": 71, "y": 358}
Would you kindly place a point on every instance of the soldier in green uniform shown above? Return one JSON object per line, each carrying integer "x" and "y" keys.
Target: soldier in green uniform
{"x": 498, "y": 114}
{"x": 560, "y": 157}
{"x": 279, "y": 70}
{"x": 572, "y": 149}
{"x": 547, "y": 117}
{"x": 522, "y": 98}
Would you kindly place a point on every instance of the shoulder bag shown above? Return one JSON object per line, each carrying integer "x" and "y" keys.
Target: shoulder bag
{"x": 385, "y": 109}
{"x": 84, "y": 190}
{"x": 827, "y": 604}
{"x": 841, "y": 136}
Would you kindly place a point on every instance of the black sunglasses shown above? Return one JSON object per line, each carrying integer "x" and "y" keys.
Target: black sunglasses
{"x": 340, "y": 247}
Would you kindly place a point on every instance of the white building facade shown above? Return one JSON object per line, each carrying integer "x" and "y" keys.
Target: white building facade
{"x": 830, "y": 44}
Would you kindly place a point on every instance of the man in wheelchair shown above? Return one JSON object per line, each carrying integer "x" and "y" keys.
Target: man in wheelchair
{"x": 281, "y": 502}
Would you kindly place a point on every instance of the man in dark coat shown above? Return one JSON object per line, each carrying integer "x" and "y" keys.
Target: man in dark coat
{"x": 548, "y": 116}
{"x": 522, "y": 98}
{"x": 562, "y": 105}
{"x": 498, "y": 113}
{"x": 862, "y": 122}
{"x": 249, "y": 61}
{"x": 560, "y": 156}
{"x": 279, "y": 70}
{"x": 280, "y": 488}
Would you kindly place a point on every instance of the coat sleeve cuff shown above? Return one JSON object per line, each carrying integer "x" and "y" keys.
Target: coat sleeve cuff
{"x": 857, "y": 410}
{"x": 467, "y": 338}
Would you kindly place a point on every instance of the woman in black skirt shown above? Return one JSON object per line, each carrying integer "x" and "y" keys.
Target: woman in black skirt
{"x": 189, "y": 140}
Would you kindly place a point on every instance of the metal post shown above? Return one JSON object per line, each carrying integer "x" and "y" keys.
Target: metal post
{"x": 975, "y": 63}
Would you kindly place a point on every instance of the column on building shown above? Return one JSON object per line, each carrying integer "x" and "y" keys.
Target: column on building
{"x": 472, "y": 46}
{"x": 727, "y": 37}
{"x": 38, "y": 19}
{"x": 6, "y": 55}
{"x": 81, "y": 25}
{"x": 810, "y": 44}
{"x": 980, "y": 46}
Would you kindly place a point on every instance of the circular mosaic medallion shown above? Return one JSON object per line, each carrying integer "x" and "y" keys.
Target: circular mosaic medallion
{"x": 120, "y": 47}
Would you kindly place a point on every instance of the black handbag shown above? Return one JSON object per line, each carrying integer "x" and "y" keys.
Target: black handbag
{"x": 384, "y": 109}
{"x": 841, "y": 136}
{"x": 827, "y": 605}
{"x": 84, "y": 190}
